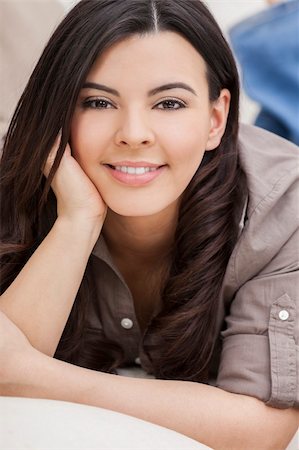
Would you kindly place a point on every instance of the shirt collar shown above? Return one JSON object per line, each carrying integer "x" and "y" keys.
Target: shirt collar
{"x": 101, "y": 251}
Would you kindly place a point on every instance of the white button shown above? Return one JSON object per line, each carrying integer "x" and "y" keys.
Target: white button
{"x": 137, "y": 361}
{"x": 126, "y": 323}
{"x": 283, "y": 314}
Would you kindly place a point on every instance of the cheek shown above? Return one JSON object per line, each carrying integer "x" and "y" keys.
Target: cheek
{"x": 80, "y": 136}
{"x": 88, "y": 137}
{"x": 186, "y": 141}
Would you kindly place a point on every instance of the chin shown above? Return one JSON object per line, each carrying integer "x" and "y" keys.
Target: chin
{"x": 136, "y": 210}
{"x": 133, "y": 212}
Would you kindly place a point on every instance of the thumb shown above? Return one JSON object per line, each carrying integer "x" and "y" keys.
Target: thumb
{"x": 53, "y": 153}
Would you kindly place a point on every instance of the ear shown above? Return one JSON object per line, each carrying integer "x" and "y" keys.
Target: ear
{"x": 219, "y": 114}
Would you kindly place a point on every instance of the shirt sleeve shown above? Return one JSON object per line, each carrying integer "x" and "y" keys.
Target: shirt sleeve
{"x": 260, "y": 355}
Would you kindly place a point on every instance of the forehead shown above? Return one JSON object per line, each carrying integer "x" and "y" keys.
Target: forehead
{"x": 148, "y": 57}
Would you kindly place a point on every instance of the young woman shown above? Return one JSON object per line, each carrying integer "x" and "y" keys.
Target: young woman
{"x": 167, "y": 238}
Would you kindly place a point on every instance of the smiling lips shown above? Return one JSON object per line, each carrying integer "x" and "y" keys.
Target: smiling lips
{"x": 135, "y": 170}
{"x": 134, "y": 174}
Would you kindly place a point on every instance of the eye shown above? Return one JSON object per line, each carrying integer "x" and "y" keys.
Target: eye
{"x": 171, "y": 104}
{"x": 97, "y": 103}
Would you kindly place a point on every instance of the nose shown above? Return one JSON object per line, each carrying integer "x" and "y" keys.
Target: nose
{"x": 134, "y": 131}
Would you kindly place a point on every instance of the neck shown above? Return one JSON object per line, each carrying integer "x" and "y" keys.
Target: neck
{"x": 143, "y": 238}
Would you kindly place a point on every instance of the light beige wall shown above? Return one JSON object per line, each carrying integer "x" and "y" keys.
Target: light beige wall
{"x": 25, "y": 27}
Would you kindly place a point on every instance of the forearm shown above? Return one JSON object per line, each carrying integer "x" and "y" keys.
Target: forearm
{"x": 212, "y": 416}
{"x": 40, "y": 299}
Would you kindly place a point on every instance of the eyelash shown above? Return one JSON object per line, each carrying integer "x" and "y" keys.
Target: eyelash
{"x": 91, "y": 104}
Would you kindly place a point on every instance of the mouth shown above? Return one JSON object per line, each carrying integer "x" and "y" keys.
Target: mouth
{"x": 134, "y": 170}
{"x": 134, "y": 173}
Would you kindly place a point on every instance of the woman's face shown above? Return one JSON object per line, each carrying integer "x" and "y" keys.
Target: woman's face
{"x": 143, "y": 121}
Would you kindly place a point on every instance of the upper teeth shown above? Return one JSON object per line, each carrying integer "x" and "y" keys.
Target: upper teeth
{"x": 135, "y": 170}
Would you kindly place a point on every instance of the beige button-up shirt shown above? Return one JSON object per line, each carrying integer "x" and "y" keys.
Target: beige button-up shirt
{"x": 258, "y": 310}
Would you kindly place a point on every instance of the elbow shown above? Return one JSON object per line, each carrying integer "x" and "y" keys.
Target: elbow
{"x": 254, "y": 425}
{"x": 274, "y": 429}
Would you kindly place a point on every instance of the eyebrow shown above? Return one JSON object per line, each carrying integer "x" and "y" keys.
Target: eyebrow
{"x": 157, "y": 90}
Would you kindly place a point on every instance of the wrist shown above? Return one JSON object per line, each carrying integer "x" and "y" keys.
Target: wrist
{"x": 82, "y": 229}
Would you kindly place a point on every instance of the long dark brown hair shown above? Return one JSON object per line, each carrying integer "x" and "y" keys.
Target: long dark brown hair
{"x": 179, "y": 340}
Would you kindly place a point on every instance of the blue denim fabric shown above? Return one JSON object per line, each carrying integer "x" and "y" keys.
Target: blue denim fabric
{"x": 267, "y": 48}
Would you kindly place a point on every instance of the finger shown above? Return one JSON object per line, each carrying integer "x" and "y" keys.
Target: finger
{"x": 52, "y": 155}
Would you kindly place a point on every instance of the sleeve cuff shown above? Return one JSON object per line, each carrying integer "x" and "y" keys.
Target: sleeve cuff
{"x": 245, "y": 366}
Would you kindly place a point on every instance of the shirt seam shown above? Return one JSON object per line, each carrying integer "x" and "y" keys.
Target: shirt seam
{"x": 275, "y": 188}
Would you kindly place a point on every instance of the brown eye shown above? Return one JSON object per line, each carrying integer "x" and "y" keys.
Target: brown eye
{"x": 97, "y": 103}
{"x": 171, "y": 104}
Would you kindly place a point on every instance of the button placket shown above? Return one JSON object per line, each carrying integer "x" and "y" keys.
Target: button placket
{"x": 282, "y": 353}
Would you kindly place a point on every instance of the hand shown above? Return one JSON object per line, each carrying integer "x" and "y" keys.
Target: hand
{"x": 77, "y": 197}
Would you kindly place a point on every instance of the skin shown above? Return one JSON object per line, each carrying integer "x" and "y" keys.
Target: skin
{"x": 36, "y": 305}
{"x": 136, "y": 127}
